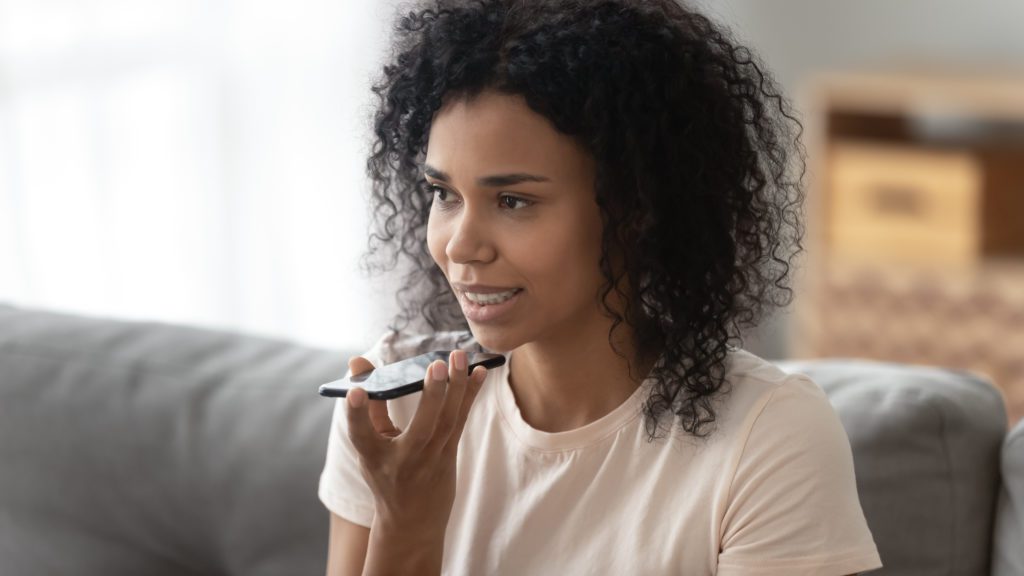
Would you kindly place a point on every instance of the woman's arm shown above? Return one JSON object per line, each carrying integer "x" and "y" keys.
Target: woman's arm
{"x": 346, "y": 548}
{"x": 403, "y": 550}
{"x": 354, "y": 550}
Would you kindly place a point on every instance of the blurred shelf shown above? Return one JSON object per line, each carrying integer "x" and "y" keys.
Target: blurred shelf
{"x": 915, "y": 244}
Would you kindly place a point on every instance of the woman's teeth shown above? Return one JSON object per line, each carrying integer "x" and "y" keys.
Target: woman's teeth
{"x": 485, "y": 299}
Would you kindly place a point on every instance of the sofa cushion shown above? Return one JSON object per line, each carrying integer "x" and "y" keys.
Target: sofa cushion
{"x": 926, "y": 447}
{"x": 146, "y": 448}
{"x": 1008, "y": 540}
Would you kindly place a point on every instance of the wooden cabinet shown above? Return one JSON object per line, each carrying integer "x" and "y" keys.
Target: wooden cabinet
{"x": 901, "y": 204}
{"x": 915, "y": 244}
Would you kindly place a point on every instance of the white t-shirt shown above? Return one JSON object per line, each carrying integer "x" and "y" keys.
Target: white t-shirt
{"x": 771, "y": 492}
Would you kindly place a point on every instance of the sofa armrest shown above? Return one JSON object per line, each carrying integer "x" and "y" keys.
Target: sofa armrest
{"x": 926, "y": 447}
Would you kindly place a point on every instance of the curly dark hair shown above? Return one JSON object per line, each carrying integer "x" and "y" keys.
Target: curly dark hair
{"x": 699, "y": 168}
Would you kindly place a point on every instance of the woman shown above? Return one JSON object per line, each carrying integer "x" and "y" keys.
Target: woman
{"x": 606, "y": 192}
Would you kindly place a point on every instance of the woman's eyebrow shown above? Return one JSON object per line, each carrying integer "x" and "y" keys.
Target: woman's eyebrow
{"x": 493, "y": 181}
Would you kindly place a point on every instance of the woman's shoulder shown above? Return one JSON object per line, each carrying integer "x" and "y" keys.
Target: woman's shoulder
{"x": 759, "y": 376}
{"x": 395, "y": 345}
{"x": 755, "y": 384}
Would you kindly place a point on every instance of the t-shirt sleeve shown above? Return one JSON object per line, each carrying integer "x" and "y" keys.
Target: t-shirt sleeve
{"x": 343, "y": 490}
{"x": 793, "y": 507}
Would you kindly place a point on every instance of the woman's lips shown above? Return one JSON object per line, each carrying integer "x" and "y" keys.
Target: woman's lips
{"x": 483, "y": 313}
{"x": 481, "y": 288}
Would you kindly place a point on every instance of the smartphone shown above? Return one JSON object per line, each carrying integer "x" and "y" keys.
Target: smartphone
{"x": 402, "y": 377}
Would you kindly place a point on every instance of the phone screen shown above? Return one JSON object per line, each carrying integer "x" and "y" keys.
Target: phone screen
{"x": 402, "y": 377}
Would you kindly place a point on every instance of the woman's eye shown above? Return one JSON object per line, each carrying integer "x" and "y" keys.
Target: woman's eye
{"x": 438, "y": 192}
{"x": 509, "y": 201}
{"x": 512, "y": 203}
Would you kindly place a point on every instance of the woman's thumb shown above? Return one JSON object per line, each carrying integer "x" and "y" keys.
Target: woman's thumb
{"x": 359, "y": 365}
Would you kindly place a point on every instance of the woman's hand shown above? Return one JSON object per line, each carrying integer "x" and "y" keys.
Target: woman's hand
{"x": 412, "y": 472}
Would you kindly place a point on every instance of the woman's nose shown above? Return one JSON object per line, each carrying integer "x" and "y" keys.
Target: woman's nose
{"x": 470, "y": 240}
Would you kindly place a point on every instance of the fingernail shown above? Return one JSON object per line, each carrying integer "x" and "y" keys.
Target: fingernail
{"x": 439, "y": 371}
{"x": 459, "y": 359}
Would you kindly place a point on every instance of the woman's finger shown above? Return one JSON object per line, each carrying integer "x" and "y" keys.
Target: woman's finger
{"x": 476, "y": 382}
{"x": 421, "y": 428}
{"x": 382, "y": 420}
{"x": 378, "y": 408}
{"x": 360, "y": 429}
{"x": 447, "y": 418}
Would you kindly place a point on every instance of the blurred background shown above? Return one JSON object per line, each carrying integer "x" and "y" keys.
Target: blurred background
{"x": 190, "y": 161}
{"x": 201, "y": 162}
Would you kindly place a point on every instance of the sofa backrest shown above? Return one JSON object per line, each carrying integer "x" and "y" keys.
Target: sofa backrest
{"x": 926, "y": 444}
{"x": 146, "y": 448}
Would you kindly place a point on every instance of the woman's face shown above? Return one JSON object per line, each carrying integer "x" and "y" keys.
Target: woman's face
{"x": 514, "y": 208}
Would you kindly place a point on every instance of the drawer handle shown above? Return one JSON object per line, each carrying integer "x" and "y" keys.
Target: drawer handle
{"x": 897, "y": 201}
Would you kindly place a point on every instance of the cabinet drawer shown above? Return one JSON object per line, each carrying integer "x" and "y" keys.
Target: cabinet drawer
{"x": 898, "y": 204}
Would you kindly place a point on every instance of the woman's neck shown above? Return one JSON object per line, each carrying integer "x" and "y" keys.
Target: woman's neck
{"x": 570, "y": 381}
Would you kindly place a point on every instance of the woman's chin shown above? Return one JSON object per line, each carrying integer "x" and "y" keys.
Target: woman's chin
{"x": 493, "y": 339}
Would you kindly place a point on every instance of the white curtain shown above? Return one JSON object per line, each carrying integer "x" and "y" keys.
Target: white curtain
{"x": 191, "y": 161}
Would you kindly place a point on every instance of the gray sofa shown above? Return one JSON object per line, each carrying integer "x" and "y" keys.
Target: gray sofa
{"x": 145, "y": 448}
